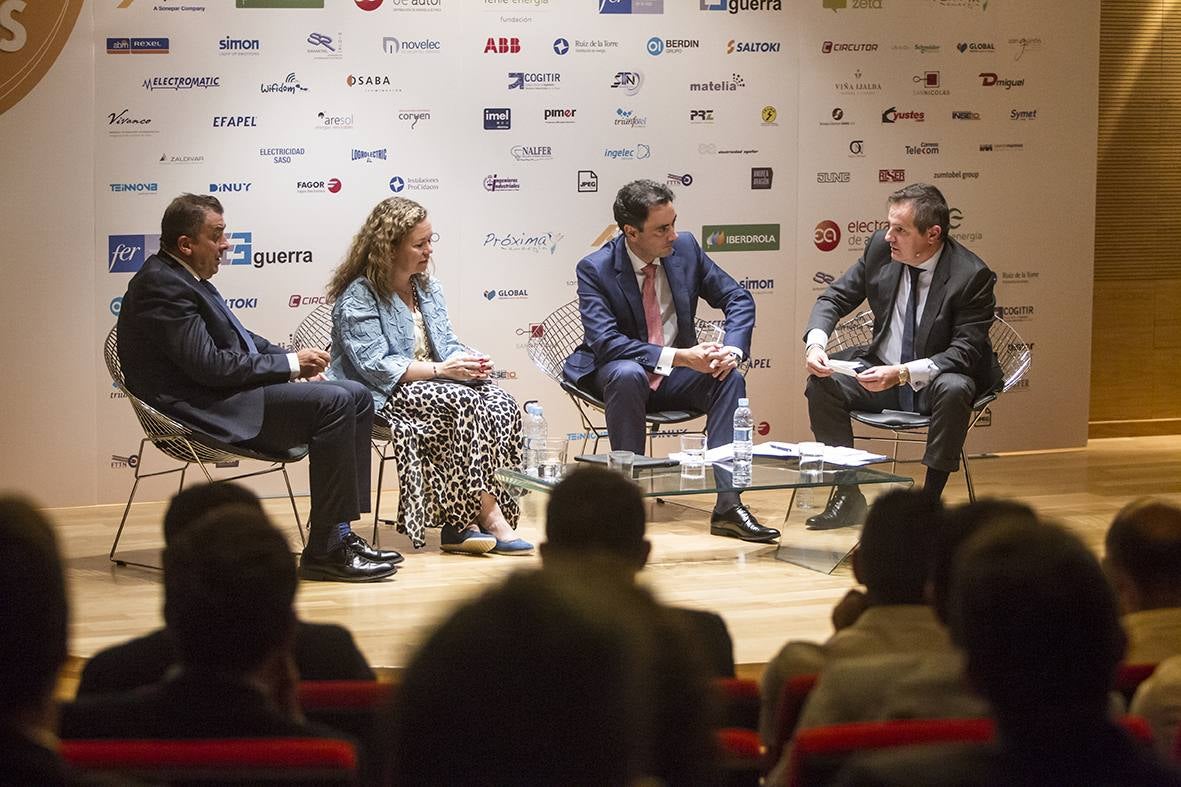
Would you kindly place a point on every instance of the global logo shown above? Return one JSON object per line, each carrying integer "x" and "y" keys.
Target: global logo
{"x": 629, "y": 82}
{"x": 561, "y": 46}
{"x": 637, "y": 153}
{"x": 740, "y": 237}
{"x": 506, "y": 294}
{"x": 827, "y": 235}
{"x": 984, "y": 47}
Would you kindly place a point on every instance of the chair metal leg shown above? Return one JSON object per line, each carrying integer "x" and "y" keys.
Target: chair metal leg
{"x": 967, "y": 476}
{"x": 291, "y": 496}
{"x": 377, "y": 503}
{"x": 126, "y": 511}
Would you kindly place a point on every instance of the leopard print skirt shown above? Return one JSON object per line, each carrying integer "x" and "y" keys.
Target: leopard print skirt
{"x": 449, "y": 439}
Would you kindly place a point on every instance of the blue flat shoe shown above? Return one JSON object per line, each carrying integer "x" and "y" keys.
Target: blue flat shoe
{"x": 518, "y": 546}
{"x": 467, "y": 542}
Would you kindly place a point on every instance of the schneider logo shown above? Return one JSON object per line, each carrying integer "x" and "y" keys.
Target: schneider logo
{"x": 741, "y": 237}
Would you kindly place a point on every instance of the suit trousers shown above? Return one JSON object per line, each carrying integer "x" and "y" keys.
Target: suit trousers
{"x": 947, "y": 399}
{"x": 334, "y": 419}
{"x": 624, "y": 388}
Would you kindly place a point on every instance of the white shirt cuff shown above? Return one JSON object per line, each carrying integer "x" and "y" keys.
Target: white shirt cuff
{"x": 293, "y": 362}
{"x": 664, "y": 366}
{"x": 922, "y": 372}
{"x": 816, "y": 336}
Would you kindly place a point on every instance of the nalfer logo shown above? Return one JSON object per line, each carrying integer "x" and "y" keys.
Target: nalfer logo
{"x": 126, "y": 253}
{"x": 740, "y": 237}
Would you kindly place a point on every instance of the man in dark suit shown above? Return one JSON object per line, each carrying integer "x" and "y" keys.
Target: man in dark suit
{"x": 596, "y": 516}
{"x": 229, "y": 591}
{"x": 933, "y": 303}
{"x": 638, "y": 298}
{"x": 323, "y": 651}
{"x": 185, "y": 353}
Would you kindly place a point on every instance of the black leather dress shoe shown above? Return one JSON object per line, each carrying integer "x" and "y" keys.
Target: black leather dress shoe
{"x": 846, "y": 508}
{"x": 362, "y": 548}
{"x": 342, "y": 564}
{"x": 739, "y": 522}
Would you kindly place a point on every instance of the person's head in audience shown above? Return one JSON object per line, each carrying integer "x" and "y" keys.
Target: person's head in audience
{"x": 1144, "y": 555}
{"x": 594, "y": 512}
{"x": 34, "y": 615}
{"x": 591, "y": 687}
{"x": 895, "y": 549}
{"x": 959, "y": 524}
{"x": 189, "y": 505}
{"x": 229, "y": 587}
{"x": 1038, "y": 623}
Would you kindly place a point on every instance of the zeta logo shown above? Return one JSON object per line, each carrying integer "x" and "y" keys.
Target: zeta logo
{"x": 741, "y": 237}
{"x": 126, "y": 253}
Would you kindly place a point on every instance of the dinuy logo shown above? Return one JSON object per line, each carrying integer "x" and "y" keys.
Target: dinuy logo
{"x": 741, "y": 237}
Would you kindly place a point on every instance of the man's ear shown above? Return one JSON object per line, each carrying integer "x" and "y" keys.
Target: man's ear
{"x": 184, "y": 244}
{"x": 630, "y": 232}
{"x": 934, "y": 233}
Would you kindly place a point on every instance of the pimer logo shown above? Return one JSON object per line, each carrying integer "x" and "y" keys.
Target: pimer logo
{"x": 740, "y": 237}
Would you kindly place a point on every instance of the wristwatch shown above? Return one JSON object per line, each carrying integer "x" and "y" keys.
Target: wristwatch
{"x": 903, "y": 375}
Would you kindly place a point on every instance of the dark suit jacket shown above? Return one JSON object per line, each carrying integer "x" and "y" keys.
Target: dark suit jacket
{"x": 613, "y": 309}
{"x": 190, "y": 704}
{"x": 181, "y": 354}
{"x": 953, "y": 329}
{"x": 709, "y": 632}
{"x": 322, "y": 652}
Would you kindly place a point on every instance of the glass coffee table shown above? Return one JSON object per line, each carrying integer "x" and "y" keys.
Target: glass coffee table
{"x": 819, "y": 550}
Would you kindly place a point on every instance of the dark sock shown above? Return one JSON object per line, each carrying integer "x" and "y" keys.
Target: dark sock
{"x": 936, "y": 480}
{"x": 726, "y": 501}
{"x": 324, "y": 538}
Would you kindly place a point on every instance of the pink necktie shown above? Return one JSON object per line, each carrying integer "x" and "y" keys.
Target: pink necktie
{"x": 652, "y": 317}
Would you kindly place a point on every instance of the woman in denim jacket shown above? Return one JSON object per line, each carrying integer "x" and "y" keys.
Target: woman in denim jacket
{"x": 452, "y": 425}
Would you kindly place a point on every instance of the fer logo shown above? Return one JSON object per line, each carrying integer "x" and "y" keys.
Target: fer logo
{"x": 126, "y": 253}
{"x": 827, "y": 235}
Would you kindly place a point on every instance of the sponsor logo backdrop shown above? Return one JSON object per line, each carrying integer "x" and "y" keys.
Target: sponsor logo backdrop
{"x": 780, "y": 127}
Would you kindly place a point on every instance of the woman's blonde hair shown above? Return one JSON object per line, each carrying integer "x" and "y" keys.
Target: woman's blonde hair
{"x": 372, "y": 251}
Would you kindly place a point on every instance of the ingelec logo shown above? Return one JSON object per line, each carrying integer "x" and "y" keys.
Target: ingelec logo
{"x": 368, "y": 5}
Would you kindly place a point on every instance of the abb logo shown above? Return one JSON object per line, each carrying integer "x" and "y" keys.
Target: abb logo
{"x": 503, "y": 46}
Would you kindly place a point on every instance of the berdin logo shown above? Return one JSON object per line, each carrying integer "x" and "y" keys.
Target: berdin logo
{"x": 740, "y": 237}
{"x": 533, "y": 80}
{"x": 629, "y": 82}
{"x": 497, "y": 118}
{"x": 503, "y": 46}
{"x": 137, "y": 46}
{"x": 827, "y": 235}
{"x": 116, "y": 304}
{"x": 658, "y": 46}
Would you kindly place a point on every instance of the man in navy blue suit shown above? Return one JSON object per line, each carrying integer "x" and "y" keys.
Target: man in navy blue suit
{"x": 186, "y": 354}
{"x": 638, "y": 298}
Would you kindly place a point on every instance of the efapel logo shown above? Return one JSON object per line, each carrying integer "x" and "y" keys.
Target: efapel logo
{"x": 827, "y": 235}
{"x": 295, "y": 301}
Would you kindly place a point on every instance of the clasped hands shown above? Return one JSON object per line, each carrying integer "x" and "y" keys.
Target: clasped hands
{"x": 710, "y": 358}
{"x": 471, "y": 366}
{"x": 875, "y": 378}
{"x": 312, "y": 363}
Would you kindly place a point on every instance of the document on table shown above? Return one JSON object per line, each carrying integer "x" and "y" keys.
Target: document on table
{"x": 833, "y": 454}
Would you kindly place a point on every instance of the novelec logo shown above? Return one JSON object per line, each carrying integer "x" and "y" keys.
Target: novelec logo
{"x": 126, "y": 253}
{"x": 740, "y": 237}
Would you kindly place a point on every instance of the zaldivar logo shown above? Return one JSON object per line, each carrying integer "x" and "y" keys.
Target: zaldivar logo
{"x": 740, "y": 237}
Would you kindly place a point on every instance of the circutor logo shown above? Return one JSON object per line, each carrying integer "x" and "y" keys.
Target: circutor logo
{"x": 827, "y": 235}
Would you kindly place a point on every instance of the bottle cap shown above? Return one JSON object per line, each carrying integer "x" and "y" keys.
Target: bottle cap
{"x": 744, "y": 402}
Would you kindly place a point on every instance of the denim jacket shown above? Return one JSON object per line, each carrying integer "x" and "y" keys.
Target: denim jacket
{"x": 373, "y": 340}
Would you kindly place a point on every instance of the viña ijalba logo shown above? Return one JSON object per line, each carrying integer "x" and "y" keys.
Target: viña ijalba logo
{"x": 740, "y": 237}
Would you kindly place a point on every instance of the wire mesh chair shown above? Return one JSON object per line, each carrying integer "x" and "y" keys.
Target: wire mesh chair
{"x": 1012, "y": 353}
{"x": 179, "y": 442}
{"x": 315, "y": 330}
{"x": 559, "y": 334}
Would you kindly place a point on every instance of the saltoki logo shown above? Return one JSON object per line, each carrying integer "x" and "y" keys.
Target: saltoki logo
{"x": 324, "y": 46}
{"x": 239, "y": 46}
{"x": 412, "y": 116}
{"x": 135, "y": 188}
{"x": 635, "y": 153}
{"x": 533, "y": 80}
{"x": 226, "y": 188}
{"x": 536, "y": 242}
{"x": 398, "y": 184}
{"x": 137, "y": 46}
{"x": 281, "y": 155}
{"x": 735, "y": 47}
{"x": 369, "y": 155}
{"x": 126, "y": 253}
{"x": 628, "y": 117}
{"x": 631, "y": 6}
{"x": 181, "y": 83}
{"x": 629, "y": 82}
{"x": 498, "y": 118}
{"x": 735, "y": 82}
{"x": 685, "y": 180}
{"x": 290, "y": 85}
{"x": 495, "y": 182}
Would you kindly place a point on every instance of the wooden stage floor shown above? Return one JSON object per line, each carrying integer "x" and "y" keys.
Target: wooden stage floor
{"x": 764, "y": 601}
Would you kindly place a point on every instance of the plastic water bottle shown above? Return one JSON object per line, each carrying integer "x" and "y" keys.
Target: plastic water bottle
{"x": 534, "y": 432}
{"x": 744, "y": 423}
